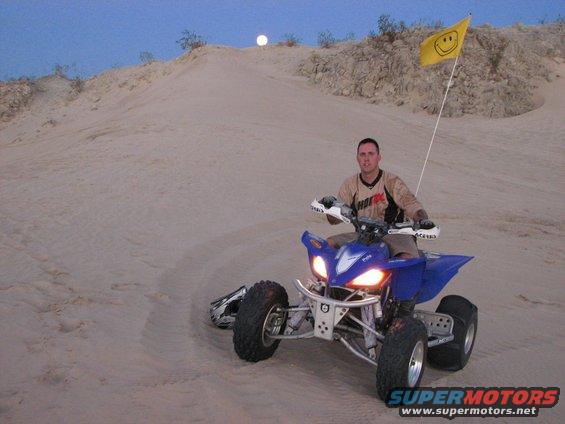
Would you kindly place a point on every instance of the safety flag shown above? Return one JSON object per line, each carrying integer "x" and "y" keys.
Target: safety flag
{"x": 445, "y": 44}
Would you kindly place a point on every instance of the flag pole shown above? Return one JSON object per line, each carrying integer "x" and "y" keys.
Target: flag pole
{"x": 437, "y": 122}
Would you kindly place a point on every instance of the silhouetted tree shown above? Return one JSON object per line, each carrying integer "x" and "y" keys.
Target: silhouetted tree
{"x": 326, "y": 39}
{"x": 146, "y": 57}
{"x": 190, "y": 40}
{"x": 290, "y": 40}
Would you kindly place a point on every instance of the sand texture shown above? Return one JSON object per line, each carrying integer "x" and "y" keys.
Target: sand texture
{"x": 127, "y": 207}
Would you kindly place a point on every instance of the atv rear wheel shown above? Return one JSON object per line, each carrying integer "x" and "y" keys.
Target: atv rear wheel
{"x": 454, "y": 355}
{"x": 259, "y": 317}
{"x": 403, "y": 356}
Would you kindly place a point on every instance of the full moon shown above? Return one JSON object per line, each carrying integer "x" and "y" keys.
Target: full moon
{"x": 262, "y": 40}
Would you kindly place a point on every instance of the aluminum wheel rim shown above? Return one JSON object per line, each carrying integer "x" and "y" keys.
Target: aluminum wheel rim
{"x": 415, "y": 364}
{"x": 272, "y": 325}
{"x": 469, "y": 338}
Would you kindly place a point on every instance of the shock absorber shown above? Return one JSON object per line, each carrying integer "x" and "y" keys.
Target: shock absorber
{"x": 368, "y": 317}
{"x": 406, "y": 308}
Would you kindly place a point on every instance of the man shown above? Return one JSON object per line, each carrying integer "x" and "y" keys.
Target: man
{"x": 378, "y": 194}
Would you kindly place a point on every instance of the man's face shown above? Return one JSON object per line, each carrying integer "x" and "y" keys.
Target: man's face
{"x": 368, "y": 158}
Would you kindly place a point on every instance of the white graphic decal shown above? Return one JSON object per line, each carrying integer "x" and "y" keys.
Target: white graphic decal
{"x": 346, "y": 261}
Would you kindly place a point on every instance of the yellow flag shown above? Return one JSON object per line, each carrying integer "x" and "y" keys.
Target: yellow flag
{"x": 445, "y": 44}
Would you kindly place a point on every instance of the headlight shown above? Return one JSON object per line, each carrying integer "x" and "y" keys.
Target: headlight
{"x": 369, "y": 280}
{"x": 319, "y": 267}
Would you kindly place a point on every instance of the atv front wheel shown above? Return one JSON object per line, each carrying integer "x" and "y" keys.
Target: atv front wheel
{"x": 403, "y": 356}
{"x": 454, "y": 355}
{"x": 260, "y": 316}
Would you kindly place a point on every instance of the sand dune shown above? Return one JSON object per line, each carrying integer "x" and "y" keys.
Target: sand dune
{"x": 125, "y": 210}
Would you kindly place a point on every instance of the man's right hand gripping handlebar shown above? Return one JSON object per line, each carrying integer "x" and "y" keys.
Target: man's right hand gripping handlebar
{"x": 328, "y": 201}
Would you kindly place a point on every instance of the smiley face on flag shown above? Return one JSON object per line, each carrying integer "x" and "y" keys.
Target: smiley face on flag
{"x": 446, "y": 43}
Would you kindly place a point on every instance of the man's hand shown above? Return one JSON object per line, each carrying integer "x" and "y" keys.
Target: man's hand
{"x": 422, "y": 222}
{"x": 420, "y": 215}
{"x": 426, "y": 224}
{"x": 346, "y": 211}
{"x": 328, "y": 201}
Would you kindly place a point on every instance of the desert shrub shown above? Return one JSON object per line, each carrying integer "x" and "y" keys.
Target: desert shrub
{"x": 326, "y": 39}
{"x": 60, "y": 70}
{"x": 494, "y": 47}
{"x": 146, "y": 57}
{"x": 350, "y": 36}
{"x": 425, "y": 23}
{"x": 495, "y": 57}
{"x": 29, "y": 79}
{"x": 77, "y": 84}
{"x": 190, "y": 41}
{"x": 290, "y": 40}
{"x": 390, "y": 29}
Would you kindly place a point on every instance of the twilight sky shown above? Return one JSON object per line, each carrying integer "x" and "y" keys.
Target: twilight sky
{"x": 91, "y": 36}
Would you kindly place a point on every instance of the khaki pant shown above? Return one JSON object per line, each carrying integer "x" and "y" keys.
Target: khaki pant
{"x": 397, "y": 243}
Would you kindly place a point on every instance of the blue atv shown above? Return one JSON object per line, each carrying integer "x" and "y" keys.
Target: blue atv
{"x": 362, "y": 298}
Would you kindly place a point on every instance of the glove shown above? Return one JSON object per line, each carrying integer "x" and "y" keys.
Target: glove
{"x": 328, "y": 201}
{"x": 426, "y": 224}
{"x": 346, "y": 211}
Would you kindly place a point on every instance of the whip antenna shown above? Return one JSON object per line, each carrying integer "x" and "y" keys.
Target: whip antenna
{"x": 437, "y": 122}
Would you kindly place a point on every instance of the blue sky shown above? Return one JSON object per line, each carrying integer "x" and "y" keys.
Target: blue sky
{"x": 92, "y": 36}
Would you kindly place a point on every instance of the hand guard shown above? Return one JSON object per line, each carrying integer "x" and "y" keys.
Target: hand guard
{"x": 337, "y": 209}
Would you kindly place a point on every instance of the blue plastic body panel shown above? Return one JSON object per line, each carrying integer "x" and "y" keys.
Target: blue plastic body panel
{"x": 418, "y": 279}
{"x": 406, "y": 280}
{"x": 439, "y": 270}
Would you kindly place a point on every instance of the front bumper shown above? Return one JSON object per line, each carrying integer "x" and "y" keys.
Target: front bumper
{"x": 328, "y": 312}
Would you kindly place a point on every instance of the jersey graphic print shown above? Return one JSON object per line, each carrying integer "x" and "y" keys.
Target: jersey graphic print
{"x": 371, "y": 200}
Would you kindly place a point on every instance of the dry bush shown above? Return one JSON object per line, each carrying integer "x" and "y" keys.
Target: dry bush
{"x": 15, "y": 95}
{"x": 494, "y": 47}
{"x": 326, "y": 39}
{"x": 190, "y": 41}
{"x": 290, "y": 40}
{"x": 60, "y": 70}
{"x": 350, "y": 36}
{"x": 146, "y": 57}
{"x": 389, "y": 28}
{"x": 77, "y": 84}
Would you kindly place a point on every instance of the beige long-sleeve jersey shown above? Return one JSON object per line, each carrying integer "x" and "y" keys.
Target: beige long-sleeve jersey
{"x": 386, "y": 198}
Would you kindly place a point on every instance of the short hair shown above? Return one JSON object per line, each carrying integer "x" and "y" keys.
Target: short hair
{"x": 371, "y": 141}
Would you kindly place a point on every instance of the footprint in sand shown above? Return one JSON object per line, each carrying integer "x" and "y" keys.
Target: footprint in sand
{"x": 124, "y": 286}
{"x": 158, "y": 297}
{"x": 53, "y": 376}
{"x": 70, "y": 325}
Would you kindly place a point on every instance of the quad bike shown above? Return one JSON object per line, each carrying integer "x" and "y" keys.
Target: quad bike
{"x": 362, "y": 298}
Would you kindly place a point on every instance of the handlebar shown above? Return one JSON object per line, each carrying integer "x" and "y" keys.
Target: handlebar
{"x": 368, "y": 226}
